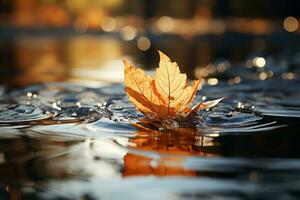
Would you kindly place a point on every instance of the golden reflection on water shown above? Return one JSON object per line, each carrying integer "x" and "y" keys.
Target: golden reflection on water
{"x": 173, "y": 147}
{"x": 46, "y": 59}
{"x": 39, "y": 60}
{"x": 26, "y": 159}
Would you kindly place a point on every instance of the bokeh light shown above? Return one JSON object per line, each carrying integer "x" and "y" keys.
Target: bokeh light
{"x": 143, "y": 43}
{"x": 212, "y": 81}
{"x": 165, "y": 24}
{"x": 263, "y": 76}
{"x": 290, "y": 24}
{"x": 109, "y": 24}
{"x": 128, "y": 33}
{"x": 259, "y": 61}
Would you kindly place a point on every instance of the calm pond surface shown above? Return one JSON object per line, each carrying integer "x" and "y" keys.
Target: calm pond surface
{"x": 66, "y": 141}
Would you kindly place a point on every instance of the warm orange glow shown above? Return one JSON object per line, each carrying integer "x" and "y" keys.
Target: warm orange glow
{"x": 109, "y": 24}
{"x": 81, "y": 25}
{"x": 182, "y": 142}
{"x": 92, "y": 52}
{"x": 165, "y": 24}
{"x": 94, "y": 17}
{"x": 136, "y": 165}
{"x": 39, "y": 63}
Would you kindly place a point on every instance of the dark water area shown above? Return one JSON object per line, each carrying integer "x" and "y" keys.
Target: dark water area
{"x": 66, "y": 141}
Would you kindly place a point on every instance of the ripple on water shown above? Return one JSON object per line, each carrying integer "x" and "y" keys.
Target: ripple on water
{"x": 70, "y": 131}
{"x": 21, "y": 114}
{"x": 111, "y": 112}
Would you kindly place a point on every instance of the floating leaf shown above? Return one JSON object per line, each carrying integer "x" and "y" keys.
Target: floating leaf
{"x": 166, "y": 95}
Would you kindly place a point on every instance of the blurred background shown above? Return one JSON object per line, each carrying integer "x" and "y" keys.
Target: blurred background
{"x": 45, "y": 41}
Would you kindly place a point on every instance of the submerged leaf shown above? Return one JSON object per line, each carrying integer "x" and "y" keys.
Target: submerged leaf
{"x": 167, "y": 95}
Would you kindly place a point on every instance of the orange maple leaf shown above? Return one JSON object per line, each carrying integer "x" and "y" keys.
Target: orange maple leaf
{"x": 166, "y": 95}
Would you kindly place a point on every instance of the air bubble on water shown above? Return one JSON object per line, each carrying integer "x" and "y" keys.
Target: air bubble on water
{"x": 78, "y": 104}
{"x": 29, "y": 94}
{"x": 240, "y": 105}
{"x": 54, "y": 105}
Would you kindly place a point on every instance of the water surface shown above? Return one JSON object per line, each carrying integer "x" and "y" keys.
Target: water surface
{"x": 66, "y": 141}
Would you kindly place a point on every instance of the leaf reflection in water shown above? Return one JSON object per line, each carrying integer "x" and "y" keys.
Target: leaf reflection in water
{"x": 89, "y": 146}
{"x": 173, "y": 148}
